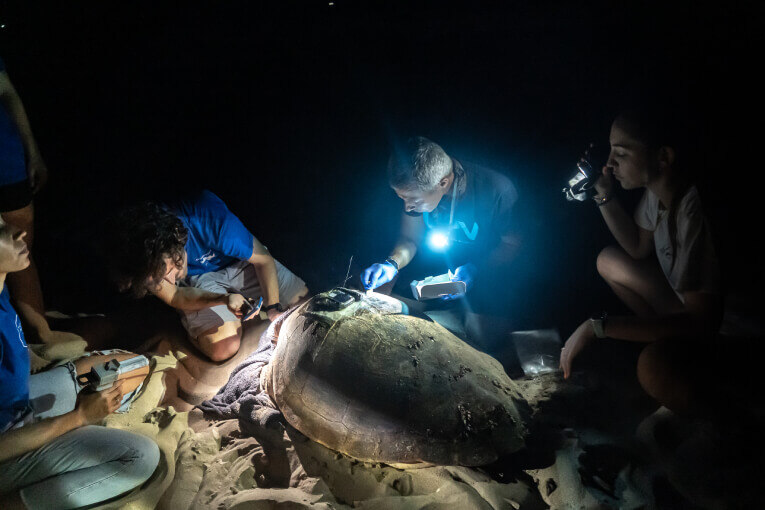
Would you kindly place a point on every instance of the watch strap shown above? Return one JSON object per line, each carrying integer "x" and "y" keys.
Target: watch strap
{"x": 392, "y": 262}
{"x": 277, "y": 306}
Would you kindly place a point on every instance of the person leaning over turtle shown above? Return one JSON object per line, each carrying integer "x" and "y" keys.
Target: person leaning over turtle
{"x": 664, "y": 268}
{"x": 472, "y": 206}
{"x": 199, "y": 258}
{"x": 52, "y": 454}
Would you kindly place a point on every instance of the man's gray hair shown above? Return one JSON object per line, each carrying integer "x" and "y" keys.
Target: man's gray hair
{"x": 419, "y": 164}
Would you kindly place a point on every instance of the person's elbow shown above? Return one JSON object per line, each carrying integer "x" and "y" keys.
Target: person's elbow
{"x": 260, "y": 260}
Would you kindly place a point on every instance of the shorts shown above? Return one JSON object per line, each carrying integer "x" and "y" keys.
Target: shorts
{"x": 240, "y": 278}
{"x": 15, "y": 196}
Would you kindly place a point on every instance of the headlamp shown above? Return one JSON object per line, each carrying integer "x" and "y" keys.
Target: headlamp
{"x": 438, "y": 240}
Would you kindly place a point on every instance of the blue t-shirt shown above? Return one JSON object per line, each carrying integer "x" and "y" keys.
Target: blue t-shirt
{"x": 217, "y": 238}
{"x": 14, "y": 363}
{"x": 13, "y": 167}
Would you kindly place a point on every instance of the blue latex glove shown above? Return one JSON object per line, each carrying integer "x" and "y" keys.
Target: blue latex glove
{"x": 464, "y": 274}
{"x": 378, "y": 274}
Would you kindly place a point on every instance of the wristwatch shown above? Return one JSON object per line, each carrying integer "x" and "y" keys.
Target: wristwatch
{"x": 598, "y": 322}
{"x": 277, "y": 306}
{"x": 392, "y": 262}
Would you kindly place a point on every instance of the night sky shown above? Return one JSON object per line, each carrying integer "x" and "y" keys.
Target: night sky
{"x": 287, "y": 110}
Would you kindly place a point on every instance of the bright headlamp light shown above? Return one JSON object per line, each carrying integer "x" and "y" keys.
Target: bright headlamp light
{"x": 438, "y": 240}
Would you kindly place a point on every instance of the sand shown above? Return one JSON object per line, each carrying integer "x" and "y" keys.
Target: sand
{"x": 289, "y": 468}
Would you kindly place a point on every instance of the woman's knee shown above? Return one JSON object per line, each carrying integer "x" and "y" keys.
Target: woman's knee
{"x": 611, "y": 263}
{"x": 138, "y": 455}
{"x": 659, "y": 374}
{"x": 145, "y": 458}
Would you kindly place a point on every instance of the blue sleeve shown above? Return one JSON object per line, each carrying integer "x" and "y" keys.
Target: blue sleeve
{"x": 232, "y": 239}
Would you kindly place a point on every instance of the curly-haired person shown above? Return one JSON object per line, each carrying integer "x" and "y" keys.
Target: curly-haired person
{"x": 199, "y": 258}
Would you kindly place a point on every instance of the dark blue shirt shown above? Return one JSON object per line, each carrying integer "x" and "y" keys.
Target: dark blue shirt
{"x": 13, "y": 168}
{"x": 217, "y": 238}
{"x": 14, "y": 363}
{"x": 483, "y": 213}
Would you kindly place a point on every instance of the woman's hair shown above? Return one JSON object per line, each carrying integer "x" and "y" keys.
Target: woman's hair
{"x": 657, "y": 122}
{"x": 136, "y": 243}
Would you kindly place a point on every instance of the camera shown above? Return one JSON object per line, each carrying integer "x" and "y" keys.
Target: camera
{"x": 581, "y": 185}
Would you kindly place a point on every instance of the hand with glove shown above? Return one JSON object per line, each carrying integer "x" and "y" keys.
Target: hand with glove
{"x": 466, "y": 274}
{"x": 379, "y": 274}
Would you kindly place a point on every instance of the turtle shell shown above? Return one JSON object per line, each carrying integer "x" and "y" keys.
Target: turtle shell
{"x": 380, "y": 386}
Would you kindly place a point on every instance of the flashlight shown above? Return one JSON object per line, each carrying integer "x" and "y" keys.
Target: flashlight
{"x": 438, "y": 240}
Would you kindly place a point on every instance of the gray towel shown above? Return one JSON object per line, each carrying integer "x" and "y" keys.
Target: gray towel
{"x": 242, "y": 397}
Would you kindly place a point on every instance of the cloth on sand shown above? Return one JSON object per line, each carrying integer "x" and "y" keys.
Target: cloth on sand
{"x": 242, "y": 396}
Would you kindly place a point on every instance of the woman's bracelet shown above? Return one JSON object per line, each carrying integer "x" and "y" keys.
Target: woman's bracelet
{"x": 602, "y": 200}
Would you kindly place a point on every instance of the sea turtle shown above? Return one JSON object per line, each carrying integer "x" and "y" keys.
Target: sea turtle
{"x": 353, "y": 372}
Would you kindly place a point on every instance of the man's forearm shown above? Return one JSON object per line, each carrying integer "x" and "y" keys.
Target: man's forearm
{"x": 403, "y": 252}
{"x": 622, "y": 226}
{"x": 25, "y": 439}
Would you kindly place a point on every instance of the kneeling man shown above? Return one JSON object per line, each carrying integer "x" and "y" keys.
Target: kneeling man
{"x": 199, "y": 258}
{"x": 466, "y": 212}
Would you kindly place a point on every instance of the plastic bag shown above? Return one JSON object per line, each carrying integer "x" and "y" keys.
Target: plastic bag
{"x": 538, "y": 350}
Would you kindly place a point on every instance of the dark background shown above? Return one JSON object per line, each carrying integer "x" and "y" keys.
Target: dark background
{"x": 287, "y": 109}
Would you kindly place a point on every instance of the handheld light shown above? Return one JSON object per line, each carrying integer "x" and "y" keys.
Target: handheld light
{"x": 438, "y": 240}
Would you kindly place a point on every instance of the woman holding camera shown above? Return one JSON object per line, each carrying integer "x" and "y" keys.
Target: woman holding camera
{"x": 664, "y": 267}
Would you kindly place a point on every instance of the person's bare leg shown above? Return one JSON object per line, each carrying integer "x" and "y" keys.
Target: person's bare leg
{"x": 640, "y": 284}
{"x": 222, "y": 342}
{"x": 662, "y": 379}
{"x": 25, "y": 285}
{"x": 131, "y": 379}
{"x": 299, "y": 298}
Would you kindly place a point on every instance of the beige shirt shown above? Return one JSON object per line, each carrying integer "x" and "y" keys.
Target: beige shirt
{"x": 693, "y": 265}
